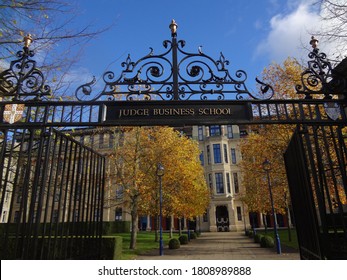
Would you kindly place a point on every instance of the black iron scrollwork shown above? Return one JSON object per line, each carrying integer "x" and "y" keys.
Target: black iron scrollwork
{"x": 23, "y": 80}
{"x": 175, "y": 75}
{"x": 320, "y": 78}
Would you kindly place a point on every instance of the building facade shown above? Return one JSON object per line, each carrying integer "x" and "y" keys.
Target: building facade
{"x": 220, "y": 157}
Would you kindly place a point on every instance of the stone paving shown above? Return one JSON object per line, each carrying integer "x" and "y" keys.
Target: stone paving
{"x": 222, "y": 246}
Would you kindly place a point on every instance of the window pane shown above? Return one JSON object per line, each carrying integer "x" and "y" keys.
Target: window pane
{"x": 202, "y": 158}
{"x": 225, "y": 148}
{"x": 219, "y": 183}
{"x": 230, "y": 131}
{"x": 215, "y": 130}
{"x": 239, "y": 215}
{"x": 236, "y": 182}
{"x": 205, "y": 217}
{"x": 233, "y": 156}
{"x": 217, "y": 153}
{"x": 200, "y": 133}
{"x": 210, "y": 181}
{"x": 208, "y": 154}
{"x": 118, "y": 214}
{"x": 228, "y": 183}
{"x": 119, "y": 193}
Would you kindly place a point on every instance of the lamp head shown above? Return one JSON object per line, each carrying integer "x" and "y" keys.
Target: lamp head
{"x": 266, "y": 165}
{"x": 160, "y": 170}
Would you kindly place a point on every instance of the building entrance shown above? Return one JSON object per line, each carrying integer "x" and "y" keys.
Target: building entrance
{"x": 222, "y": 218}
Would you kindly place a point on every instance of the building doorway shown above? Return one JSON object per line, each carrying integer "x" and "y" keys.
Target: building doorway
{"x": 222, "y": 218}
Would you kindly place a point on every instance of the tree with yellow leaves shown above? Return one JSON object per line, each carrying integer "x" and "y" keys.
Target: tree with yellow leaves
{"x": 270, "y": 142}
{"x": 264, "y": 143}
{"x": 134, "y": 161}
{"x": 185, "y": 193}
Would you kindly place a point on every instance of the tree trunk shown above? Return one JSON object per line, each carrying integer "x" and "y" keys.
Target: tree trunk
{"x": 134, "y": 225}
{"x": 288, "y": 217}
{"x": 134, "y": 221}
{"x": 179, "y": 226}
{"x": 171, "y": 226}
{"x": 135, "y": 196}
{"x": 265, "y": 222}
{"x": 288, "y": 222}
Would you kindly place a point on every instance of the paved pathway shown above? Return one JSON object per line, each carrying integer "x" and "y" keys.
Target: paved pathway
{"x": 222, "y": 246}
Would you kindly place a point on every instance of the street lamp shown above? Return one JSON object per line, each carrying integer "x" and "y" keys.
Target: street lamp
{"x": 244, "y": 217}
{"x": 160, "y": 174}
{"x": 267, "y": 168}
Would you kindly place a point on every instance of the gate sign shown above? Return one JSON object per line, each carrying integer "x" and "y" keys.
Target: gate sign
{"x": 13, "y": 113}
{"x": 176, "y": 113}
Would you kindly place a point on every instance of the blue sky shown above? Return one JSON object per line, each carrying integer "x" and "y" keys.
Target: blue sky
{"x": 251, "y": 34}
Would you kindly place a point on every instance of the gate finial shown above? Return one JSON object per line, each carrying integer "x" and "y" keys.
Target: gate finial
{"x": 173, "y": 26}
{"x": 27, "y": 40}
{"x": 314, "y": 42}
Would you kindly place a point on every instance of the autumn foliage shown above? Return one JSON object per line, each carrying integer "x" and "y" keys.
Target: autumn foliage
{"x": 265, "y": 143}
{"x": 270, "y": 142}
{"x": 133, "y": 165}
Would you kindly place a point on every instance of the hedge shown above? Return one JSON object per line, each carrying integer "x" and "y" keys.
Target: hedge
{"x": 109, "y": 228}
{"x": 267, "y": 242}
{"x": 174, "y": 243}
{"x": 66, "y": 248}
{"x": 258, "y": 237}
{"x": 76, "y": 228}
{"x": 183, "y": 239}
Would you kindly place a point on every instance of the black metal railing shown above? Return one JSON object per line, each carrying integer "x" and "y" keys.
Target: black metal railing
{"x": 51, "y": 196}
{"x": 72, "y": 114}
{"x": 316, "y": 162}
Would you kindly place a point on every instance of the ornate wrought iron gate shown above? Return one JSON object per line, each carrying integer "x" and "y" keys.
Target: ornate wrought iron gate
{"x": 42, "y": 168}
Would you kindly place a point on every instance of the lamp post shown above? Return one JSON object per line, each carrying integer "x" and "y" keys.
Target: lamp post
{"x": 244, "y": 217}
{"x": 267, "y": 168}
{"x": 160, "y": 174}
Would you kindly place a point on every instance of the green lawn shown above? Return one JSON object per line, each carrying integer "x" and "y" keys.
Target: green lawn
{"x": 145, "y": 242}
{"x": 284, "y": 237}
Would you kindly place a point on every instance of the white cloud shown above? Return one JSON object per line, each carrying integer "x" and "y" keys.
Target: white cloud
{"x": 289, "y": 33}
{"x": 334, "y": 46}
